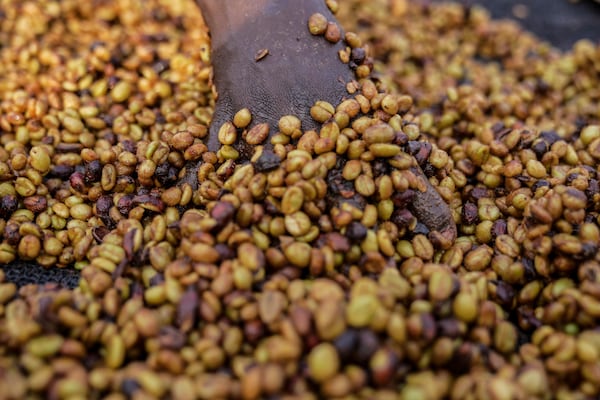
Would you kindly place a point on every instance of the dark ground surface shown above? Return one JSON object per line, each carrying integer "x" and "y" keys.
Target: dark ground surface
{"x": 561, "y": 22}
{"x": 23, "y": 273}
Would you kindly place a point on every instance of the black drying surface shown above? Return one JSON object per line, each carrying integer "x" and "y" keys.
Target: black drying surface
{"x": 24, "y": 272}
{"x": 560, "y": 22}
